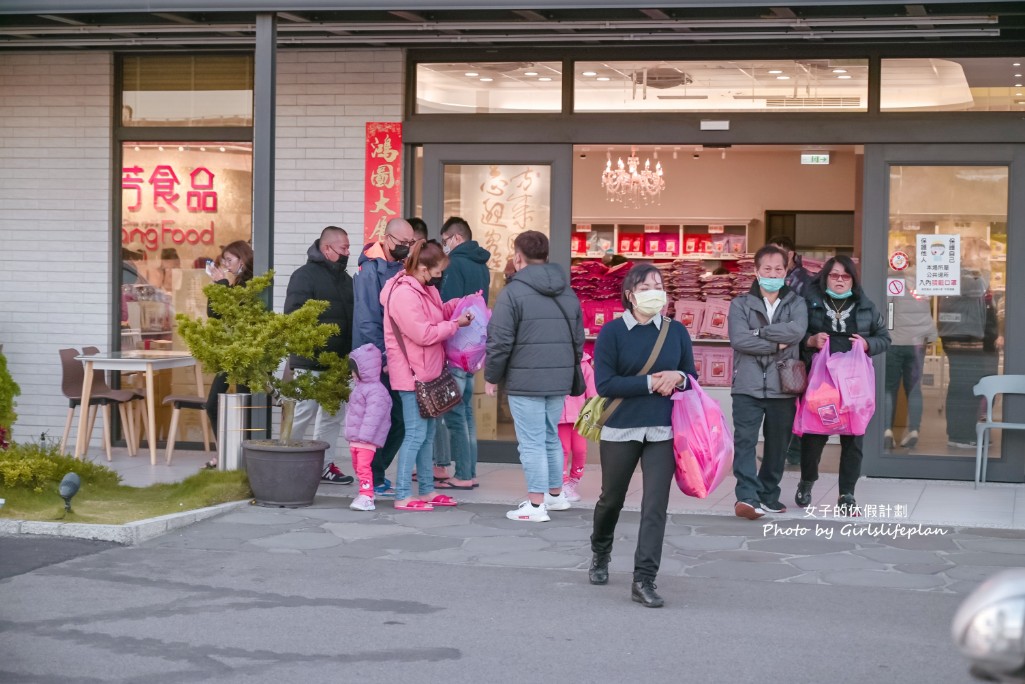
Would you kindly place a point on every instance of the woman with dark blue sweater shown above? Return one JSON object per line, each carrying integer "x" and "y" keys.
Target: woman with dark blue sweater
{"x": 640, "y": 428}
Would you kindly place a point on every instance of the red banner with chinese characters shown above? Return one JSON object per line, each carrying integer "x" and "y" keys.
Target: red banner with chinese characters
{"x": 382, "y": 191}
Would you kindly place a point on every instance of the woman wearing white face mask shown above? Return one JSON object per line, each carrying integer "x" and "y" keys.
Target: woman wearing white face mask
{"x": 640, "y": 429}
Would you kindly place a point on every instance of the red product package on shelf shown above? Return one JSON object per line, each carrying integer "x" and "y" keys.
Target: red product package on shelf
{"x": 699, "y": 364}
{"x": 714, "y": 323}
{"x": 718, "y": 367}
{"x": 690, "y": 312}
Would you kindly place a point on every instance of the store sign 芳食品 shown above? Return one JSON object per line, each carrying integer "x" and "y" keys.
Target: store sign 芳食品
{"x": 185, "y": 198}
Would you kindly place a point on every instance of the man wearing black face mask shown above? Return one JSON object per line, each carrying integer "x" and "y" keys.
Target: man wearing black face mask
{"x": 378, "y": 263}
{"x": 324, "y": 277}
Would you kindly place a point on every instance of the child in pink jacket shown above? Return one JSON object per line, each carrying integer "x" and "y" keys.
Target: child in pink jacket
{"x": 367, "y": 419}
{"x": 574, "y": 446}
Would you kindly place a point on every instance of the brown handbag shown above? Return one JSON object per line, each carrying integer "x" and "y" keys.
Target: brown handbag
{"x": 434, "y": 397}
{"x": 793, "y": 376}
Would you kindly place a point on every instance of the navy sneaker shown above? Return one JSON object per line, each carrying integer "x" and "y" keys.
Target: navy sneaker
{"x": 384, "y": 490}
{"x": 332, "y": 475}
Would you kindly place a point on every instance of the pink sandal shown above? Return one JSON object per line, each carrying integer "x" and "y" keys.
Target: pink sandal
{"x": 414, "y": 505}
{"x": 442, "y": 500}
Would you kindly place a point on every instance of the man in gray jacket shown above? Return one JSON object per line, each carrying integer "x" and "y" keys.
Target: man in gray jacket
{"x": 535, "y": 340}
{"x": 766, "y": 326}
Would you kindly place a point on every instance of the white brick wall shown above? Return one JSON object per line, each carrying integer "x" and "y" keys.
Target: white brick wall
{"x": 55, "y": 194}
{"x": 55, "y": 229}
{"x": 325, "y": 99}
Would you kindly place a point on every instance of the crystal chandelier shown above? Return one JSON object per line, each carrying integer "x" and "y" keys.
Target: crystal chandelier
{"x": 631, "y": 186}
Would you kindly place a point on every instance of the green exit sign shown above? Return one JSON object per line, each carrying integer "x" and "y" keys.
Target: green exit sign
{"x": 815, "y": 157}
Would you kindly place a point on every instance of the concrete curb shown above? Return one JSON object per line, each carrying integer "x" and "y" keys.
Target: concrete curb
{"x": 128, "y": 534}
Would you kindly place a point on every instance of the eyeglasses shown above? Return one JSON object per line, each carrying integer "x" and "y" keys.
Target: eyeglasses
{"x": 407, "y": 243}
{"x": 840, "y": 277}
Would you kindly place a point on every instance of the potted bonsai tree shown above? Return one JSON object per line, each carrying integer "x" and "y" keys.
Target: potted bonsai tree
{"x": 249, "y": 343}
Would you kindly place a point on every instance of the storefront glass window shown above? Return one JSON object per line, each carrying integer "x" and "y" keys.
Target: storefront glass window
{"x": 976, "y": 84}
{"x": 812, "y": 85}
{"x": 187, "y": 90}
{"x": 946, "y": 304}
{"x": 181, "y": 203}
{"x": 499, "y": 201}
{"x": 488, "y": 87}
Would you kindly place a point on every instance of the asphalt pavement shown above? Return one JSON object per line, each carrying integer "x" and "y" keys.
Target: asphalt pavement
{"x": 325, "y": 594}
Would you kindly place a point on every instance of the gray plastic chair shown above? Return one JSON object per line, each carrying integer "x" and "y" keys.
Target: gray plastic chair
{"x": 989, "y": 387}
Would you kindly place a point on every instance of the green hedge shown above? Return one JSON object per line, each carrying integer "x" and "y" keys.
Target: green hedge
{"x": 33, "y": 466}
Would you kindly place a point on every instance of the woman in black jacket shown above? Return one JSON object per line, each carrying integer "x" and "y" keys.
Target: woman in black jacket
{"x": 234, "y": 267}
{"x": 838, "y": 313}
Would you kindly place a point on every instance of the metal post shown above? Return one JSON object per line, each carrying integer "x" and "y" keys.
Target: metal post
{"x": 232, "y": 414}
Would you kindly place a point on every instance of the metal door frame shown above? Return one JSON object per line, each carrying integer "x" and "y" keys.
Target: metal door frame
{"x": 1010, "y": 466}
{"x": 560, "y": 158}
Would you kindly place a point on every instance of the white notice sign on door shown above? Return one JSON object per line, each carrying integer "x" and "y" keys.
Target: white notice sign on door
{"x": 939, "y": 265}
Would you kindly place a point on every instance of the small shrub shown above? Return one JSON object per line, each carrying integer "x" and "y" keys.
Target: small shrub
{"x": 8, "y": 391}
{"x": 34, "y": 466}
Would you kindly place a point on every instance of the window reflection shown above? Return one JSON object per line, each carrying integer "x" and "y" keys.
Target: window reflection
{"x": 716, "y": 86}
{"x": 961, "y": 84}
{"x": 488, "y": 87}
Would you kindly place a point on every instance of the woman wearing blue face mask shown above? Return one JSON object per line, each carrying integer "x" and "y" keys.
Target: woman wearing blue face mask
{"x": 841, "y": 315}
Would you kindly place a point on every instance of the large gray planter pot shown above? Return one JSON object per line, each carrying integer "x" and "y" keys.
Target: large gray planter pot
{"x": 284, "y": 474}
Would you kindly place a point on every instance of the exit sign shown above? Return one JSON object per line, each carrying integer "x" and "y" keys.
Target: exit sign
{"x": 815, "y": 158}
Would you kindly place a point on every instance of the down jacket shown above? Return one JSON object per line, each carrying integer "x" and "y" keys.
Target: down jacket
{"x": 423, "y": 321}
{"x": 755, "y": 356}
{"x": 374, "y": 271}
{"x": 368, "y": 417}
{"x": 319, "y": 278}
{"x": 530, "y": 344}
{"x": 572, "y": 405}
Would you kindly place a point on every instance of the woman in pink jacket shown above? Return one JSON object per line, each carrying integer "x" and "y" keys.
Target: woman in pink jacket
{"x": 414, "y": 310}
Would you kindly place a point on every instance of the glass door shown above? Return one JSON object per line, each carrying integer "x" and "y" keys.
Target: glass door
{"x": 948, "y": 226}
{"x": 500, "y": 191}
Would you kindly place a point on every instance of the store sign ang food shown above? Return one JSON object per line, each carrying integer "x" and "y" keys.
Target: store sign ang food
{"x": 187, "y": 220}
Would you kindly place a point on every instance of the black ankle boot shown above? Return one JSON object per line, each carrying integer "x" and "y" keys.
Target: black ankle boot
{"x": 803, "y": 496}
{"x": 644, "y": 593}
{"x": 598, "y": 573}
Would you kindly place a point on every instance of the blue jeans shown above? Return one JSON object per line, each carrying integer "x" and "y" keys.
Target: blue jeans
{"x": 904, "y": 365}
{"x": 417, "y": 448}
{"x": 462, "y": 428}
{"x": 536, "y": 420}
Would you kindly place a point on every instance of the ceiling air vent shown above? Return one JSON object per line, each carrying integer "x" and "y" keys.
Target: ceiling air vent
{"x": 813, "y": 102}
{"x": 662, "y": 77}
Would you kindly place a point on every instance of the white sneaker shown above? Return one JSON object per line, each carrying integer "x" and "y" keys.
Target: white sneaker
{"x": 362, "y": 503}
{"x": 528, "y": 513}
{"x": 888, "y": 439}
{"x": 910, "y": 439}
{"x": 570, "y": 490}
{"x": 557, "y": 503}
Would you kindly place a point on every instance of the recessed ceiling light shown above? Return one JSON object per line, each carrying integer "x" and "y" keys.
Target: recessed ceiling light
{"x": 602, "y": 78}
{"x": 775, "y": 71}
{"x": 222, "y": 149}
{"x": 590, "y": 73}
{"x": 1017, "y": 75}
{"x": 471, "y": 73}
{"x": 844, "y": 76}
{"x": 782, "y": 78}
{"x": 545, "y": 78}
{"x": 1016, "y": 95}
{"x": 161, "y": 148}
{"x": 202, "y": 149}
{"x": 1016, "y": 64}
{"x": 530, "y": 73}
{"x": 181, "y": 149}
{"x": 485, "y": 79}
{"x": 839, "y": 71}
{"x": 1017, "y": 85}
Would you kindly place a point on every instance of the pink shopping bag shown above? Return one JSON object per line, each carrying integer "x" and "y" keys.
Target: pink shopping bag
{"x": 466, "y": 348}
{"x": 823, "y": 410}
{"x": 702, "y": 442}
{"x": 855, "y": 378}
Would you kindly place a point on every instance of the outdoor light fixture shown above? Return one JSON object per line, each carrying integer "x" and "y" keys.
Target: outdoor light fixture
{"x": 629, "y": 184}
{"x": 68, "y": 488}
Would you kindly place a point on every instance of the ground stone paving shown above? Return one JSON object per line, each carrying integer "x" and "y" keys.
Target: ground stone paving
{"x": 854, "y": 553}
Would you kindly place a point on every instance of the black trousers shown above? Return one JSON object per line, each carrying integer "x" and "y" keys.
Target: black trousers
{"x": 618, "y": 462}
{"x": 850, "y": 459}
{"x": 386, "y": 454}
